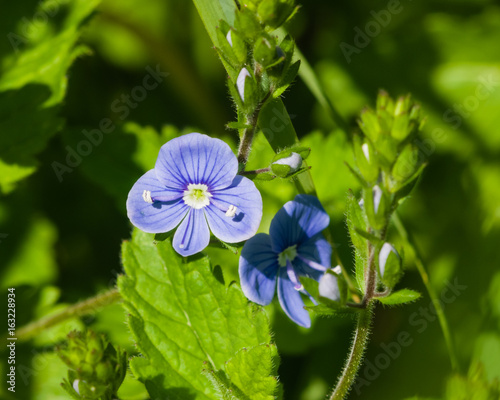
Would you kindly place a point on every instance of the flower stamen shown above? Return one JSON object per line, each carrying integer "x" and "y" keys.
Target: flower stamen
{"x": 146, "y": 196}
{"x": 231, "y": 211}
{"x": 312, "y": 264}
{"x": 197, "y": 195}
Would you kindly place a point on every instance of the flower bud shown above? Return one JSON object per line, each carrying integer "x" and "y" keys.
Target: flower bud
{"x": 264, "y": 51}
{"x": 366, "y": 160}
{"x": 240, "y": 82}
{"x": 375, "y": 205}
{"x": 275, "y": 12}
{"x": 238, "y": 45}
{"x": 287, "y": 165}
{"x": 329, "y": 287}
{"x": 406, "y": 165}
{"x": 389, "y": 262}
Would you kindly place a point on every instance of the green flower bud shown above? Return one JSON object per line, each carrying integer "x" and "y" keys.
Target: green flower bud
{"x": 264, "y": 51}
{"x": 247, "y": 88}
{"x": 407, "y": 164}
{"x": 369, "y": 124}
{"x": 376, "y": 206}
{"x": 389, "y": 265}
{"x": 275, "y": 12}
{"x": 246, "y": 22}
{"x": 237, "y": 43}
{"x": 366, "y": 160}
{"x": 101, "y": 370}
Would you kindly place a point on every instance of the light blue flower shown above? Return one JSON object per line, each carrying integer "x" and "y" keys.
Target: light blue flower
{"x": 294, "y": 247}
{"x": 194, "y": 186}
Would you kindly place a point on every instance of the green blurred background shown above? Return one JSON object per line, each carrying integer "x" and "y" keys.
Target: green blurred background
{"x": 60, "y": 238}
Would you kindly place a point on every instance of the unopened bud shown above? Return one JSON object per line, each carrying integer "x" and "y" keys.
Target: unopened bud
{"x": 240, "y": 82}
{"x": 287, "y": 165}
{"x": 389, "y": 262}
{"x": 329, "y": 287}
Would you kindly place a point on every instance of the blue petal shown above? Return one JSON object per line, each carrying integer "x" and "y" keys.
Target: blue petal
{"x": 157, "y": 217}
{"x": 248, "y": 202}
{"x": 315, "y": 249}
{"x": 258, "y": 269}
{"x": 291, "y": 302}
{"x": 193, "y": 235}
{"x": 297, "y": 221}
{"x": 196, "y": 158}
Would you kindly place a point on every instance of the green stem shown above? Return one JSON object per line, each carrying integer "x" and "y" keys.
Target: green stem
{"x": 361, "y": 337}
{"x": 432, "y": 294}
{"x": 247, "y": 139}
{"x": 82, "y": 308}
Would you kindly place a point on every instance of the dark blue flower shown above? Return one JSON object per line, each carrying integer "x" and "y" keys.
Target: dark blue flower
{"x": 194, "y": 185}
{"x": 294, "y": 247}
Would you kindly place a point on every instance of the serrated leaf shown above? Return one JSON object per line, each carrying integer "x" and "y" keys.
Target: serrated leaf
{"x": 253, "y": 371}
{"x": 182, "y": 315}
{"x": 402, "y": 296}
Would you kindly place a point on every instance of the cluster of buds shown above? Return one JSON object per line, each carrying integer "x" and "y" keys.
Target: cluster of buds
{"x": 387, "y": 153}
{"x": 96, "y": 368}
{"x": 259, "y": 66}
{"x": 389, "y": 162}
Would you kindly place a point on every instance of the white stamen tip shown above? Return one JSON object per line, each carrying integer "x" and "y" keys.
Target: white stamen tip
{"x": 146, "y": 195}
{"x": 366, "y": 151}
{"x": 231, "y": 211}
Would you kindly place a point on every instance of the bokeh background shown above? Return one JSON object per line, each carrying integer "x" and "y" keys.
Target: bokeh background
{"x": 60, "y": 235}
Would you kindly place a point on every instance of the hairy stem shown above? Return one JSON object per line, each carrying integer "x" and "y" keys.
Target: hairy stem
{"x": 82, "y": 308}
{"x": 247, "y": 139}
{"x": 432, "y": 294}
{"x": 361, "y": 337}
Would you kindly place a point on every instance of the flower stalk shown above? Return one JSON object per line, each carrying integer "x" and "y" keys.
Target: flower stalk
{"x": 85, "y": 307}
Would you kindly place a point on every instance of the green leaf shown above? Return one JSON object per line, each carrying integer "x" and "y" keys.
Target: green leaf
{"x": 254, "y": 371}
{"x": 356, "y": 223}
{"x": 182, "y": 315}
{"x": 32, "y": 87}
{"x": 211, "y": 12}
{"x": 402, "y": 296}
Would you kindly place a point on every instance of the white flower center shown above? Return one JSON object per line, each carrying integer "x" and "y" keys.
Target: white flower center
{"x": 197, "y": 195}
{"x": 288, "y": 254}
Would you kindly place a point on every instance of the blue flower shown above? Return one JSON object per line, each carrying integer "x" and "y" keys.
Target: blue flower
{"x": 194, "y": 186}
{"x": 294, "y": 247}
